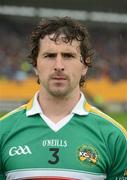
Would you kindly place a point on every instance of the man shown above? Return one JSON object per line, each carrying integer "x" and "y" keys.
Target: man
{"x": 58, "y": 135}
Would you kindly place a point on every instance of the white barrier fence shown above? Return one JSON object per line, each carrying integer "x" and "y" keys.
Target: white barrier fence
{"x": 6, "y": 106}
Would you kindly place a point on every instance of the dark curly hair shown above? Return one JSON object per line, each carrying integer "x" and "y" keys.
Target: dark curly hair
{"x": 72, "y": 29}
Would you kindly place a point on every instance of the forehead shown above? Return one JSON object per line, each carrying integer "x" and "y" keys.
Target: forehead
{"x": 49, "y": 43}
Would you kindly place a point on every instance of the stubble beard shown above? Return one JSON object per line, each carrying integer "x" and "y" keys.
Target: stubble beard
{"x": 59, "y": 89}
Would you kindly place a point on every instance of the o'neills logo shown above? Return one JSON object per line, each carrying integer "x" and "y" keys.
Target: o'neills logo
{"x": 54, "y": 142}
{"x": 87, "y": 155}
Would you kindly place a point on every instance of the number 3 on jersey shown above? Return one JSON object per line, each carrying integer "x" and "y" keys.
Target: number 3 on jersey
{"x": 55, "y": 155}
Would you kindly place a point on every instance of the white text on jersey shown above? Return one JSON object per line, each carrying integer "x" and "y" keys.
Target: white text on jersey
{"x": 19, "y": 150}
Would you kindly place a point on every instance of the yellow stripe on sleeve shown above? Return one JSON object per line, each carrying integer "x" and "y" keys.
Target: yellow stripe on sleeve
{"x": 13, "y": 112}
{"x": 92, "y": 109}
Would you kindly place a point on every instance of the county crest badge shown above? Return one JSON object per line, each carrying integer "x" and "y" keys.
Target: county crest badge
{"x": 88, "y": 155}
{"x": 125, "y": 172}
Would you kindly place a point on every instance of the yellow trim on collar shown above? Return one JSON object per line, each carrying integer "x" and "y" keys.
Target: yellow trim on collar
{"x": 87, "y": 106}
{"x": 30, "y": 104}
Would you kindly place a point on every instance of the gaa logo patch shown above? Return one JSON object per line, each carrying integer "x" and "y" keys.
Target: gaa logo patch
{"x": 88, "y": 155}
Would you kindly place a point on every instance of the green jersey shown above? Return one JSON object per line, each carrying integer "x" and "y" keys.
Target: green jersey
{"x": 87, "y": 147}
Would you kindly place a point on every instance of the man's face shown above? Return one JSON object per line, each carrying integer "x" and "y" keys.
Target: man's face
{"x": 59, "y": 67}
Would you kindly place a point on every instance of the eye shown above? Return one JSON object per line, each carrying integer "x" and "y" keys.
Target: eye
{"x": 50, "y": 55}
{"x": 68, "y": 55}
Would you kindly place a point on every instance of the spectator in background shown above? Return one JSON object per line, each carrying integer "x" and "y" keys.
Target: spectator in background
{"x": 110, "y": 46}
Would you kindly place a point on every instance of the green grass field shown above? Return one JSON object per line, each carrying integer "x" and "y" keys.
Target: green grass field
{"x": 119, "y": 117}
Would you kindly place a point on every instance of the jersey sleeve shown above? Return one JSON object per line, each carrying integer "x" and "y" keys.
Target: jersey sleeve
{"x": 2, "y": 177}
{"x": 118, "y": 151}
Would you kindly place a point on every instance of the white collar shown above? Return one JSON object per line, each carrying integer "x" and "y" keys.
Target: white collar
{"x": 33, "y": 107}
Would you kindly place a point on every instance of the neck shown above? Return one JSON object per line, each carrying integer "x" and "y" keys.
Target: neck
{"x": 56, "y": 108}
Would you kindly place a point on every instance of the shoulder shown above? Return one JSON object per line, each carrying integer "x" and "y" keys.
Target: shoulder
{"x": 13, "y": 115}
{"x": 104, "y": 121}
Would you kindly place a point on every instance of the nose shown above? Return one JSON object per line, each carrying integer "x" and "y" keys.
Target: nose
{"x": 59, "y": 66}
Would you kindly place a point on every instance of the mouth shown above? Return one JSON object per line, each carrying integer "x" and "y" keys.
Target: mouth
{"x": 58, "y": 78}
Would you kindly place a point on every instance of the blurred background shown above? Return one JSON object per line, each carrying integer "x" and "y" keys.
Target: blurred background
{"x": 106, "y": 86}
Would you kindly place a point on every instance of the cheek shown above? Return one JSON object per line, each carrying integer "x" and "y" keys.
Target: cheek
{"x": 42, "y": 72}
{"x": 76, "y": 72}
{"x": 41, "y": 68}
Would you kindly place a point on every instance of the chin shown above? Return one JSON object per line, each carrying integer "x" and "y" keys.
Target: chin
{"x": 59, "y": 93}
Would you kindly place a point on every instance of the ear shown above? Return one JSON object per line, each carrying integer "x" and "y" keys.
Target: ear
{"x": 36, "y": 71}
{"x": 84, "y": 69}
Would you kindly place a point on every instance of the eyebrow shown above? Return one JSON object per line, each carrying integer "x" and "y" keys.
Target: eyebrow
{"x": 68, "y": 53}
{"x": 63, "y": 53}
